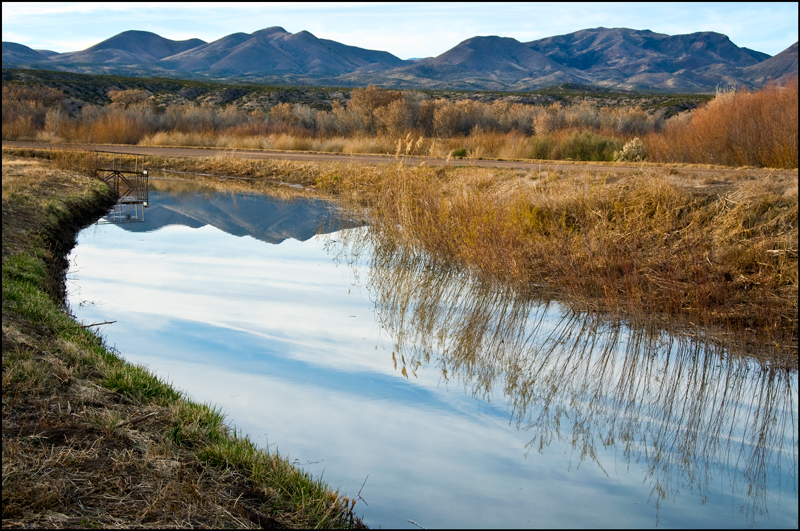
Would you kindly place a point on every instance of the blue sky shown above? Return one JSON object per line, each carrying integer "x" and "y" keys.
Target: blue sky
{"x": 404, "y": 29}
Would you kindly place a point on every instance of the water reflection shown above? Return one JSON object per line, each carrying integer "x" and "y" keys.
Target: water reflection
{"x": 295, "y": 352}
{"x": 691, "y": 413}
{"x": 269, "y": 218}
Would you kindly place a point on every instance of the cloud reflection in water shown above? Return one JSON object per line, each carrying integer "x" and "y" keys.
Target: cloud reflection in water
{"x": 569, "y": 407}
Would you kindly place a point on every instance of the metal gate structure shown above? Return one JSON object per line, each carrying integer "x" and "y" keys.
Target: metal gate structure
{"x": 127, "y": 176}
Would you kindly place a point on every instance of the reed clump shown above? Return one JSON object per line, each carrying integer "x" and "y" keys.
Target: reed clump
{"x": 642, "y": 245}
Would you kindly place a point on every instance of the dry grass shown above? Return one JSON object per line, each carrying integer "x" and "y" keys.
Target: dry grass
{"x": 717, "y": 255}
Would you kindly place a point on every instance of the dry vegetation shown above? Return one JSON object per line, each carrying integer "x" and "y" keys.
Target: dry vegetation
{"x": 736, "y": 128}
{"x": 718, "y": 254}
{"x": 91, "y": 441}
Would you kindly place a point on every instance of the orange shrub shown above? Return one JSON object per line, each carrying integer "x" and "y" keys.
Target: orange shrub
{"x": 735, "y": 129}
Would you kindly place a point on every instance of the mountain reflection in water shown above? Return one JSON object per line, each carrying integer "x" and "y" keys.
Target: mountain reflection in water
{"x": 690, "y": 412}
{"x": 265, "y": 218}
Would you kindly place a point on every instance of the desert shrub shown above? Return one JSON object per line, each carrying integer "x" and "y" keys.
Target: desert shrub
{"x": 364, "y": 102}
{"x": 126, "y": 98}
{"x": 583, "y": 115}
{"x": 117, "y": 128}
{"x": 589, "y": 146}
{"x": 542, "y": 147}
{"x": 460, "y": 152}
{"x": 348, "y": 120}
{"x": 25, "y": 109}
{"x": 446, "y": 118}
{"x": 633, "y": 151}
{"x": 635, "y": 122}
{"x": 395, "y": 119}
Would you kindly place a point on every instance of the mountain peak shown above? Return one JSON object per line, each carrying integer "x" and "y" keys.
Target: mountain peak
{"x": 266, "y": 32}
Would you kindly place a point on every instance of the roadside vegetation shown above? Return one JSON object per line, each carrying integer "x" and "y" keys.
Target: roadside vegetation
{"x": 90, "y": 440}
{"x": 736, "y": 128}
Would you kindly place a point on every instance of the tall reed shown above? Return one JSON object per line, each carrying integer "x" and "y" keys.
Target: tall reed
{"x": 641, "y": 244}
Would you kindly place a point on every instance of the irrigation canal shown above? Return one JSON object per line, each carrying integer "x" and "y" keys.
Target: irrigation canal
{"x": 444, "y": 401}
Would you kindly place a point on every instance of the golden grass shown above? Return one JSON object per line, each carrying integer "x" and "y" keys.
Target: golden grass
{"x": 720, "y": 256}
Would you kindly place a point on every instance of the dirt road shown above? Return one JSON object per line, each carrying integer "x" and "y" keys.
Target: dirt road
{"x": 381, "y": 159}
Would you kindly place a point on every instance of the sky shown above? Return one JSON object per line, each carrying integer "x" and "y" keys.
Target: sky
{"x": 407, "y": 30}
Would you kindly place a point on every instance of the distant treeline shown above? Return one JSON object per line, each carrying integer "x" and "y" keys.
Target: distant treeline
{"x": 735, "y": 128}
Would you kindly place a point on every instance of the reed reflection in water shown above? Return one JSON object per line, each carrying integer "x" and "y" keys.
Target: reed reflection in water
{"x": 691, "y": 412}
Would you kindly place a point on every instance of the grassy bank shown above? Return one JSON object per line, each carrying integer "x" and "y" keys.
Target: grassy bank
{"x": 92, "y": 441}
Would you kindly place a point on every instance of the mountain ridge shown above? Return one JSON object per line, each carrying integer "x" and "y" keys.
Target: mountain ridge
{"x": 617, "y": 58}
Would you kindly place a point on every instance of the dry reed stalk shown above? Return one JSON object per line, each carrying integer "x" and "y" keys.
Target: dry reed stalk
{"x": 640, "y": 244}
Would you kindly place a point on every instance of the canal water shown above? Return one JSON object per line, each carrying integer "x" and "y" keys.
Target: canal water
{"x": 443, "y": 401}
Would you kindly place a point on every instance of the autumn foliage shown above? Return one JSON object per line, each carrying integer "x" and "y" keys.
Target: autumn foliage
{"x": 735, "y": 129}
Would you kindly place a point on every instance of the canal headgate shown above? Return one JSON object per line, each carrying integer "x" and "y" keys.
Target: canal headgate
{"x": 127, "y": 176}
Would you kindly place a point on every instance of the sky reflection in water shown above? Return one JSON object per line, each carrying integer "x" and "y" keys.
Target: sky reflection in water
{"x": 511, "y": 414}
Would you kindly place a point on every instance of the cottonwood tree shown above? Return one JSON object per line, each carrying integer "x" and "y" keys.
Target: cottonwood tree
{"x": 365, "y": 102}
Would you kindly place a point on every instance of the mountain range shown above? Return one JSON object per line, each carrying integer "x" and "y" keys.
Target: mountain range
{"x": 612, "y": 58}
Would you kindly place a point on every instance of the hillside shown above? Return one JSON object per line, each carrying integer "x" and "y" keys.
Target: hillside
{"x": 14, "y": 53}
{"x": 779, "y": 68}
{"x": 613, "y": 58}
{"x": 129, "y": 48}
{"x": 81, "y": 89}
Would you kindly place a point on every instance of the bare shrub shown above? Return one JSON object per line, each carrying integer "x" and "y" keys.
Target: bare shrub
{"x": 735, "y": 129}
{"x": 25, "y": 109}
{"x": 446, "y": 119}
{"x": 395, "y": 119}
{"x": 126, "y": 98}
{"x": 633, "y": 151}
{"x": 548, "y": 121}
{"x": 365, "y": 102}
{"x": 589, "y": 146}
